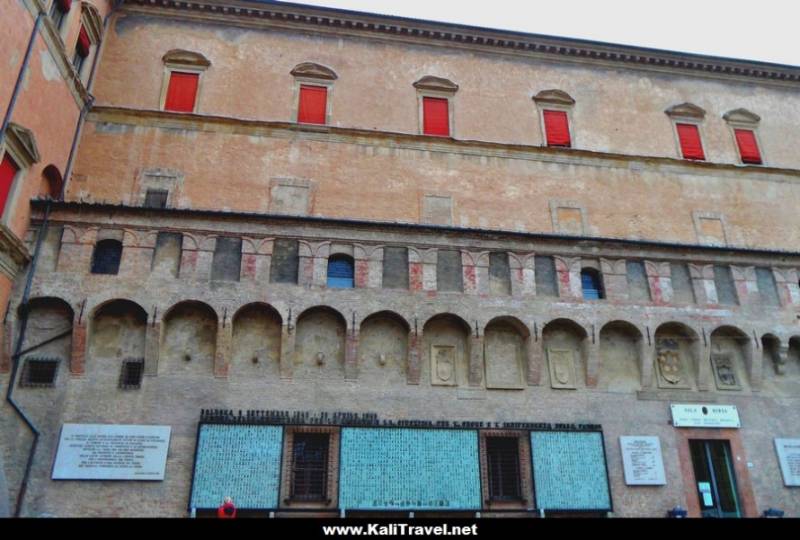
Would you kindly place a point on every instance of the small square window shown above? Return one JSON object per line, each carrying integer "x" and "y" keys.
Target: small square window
{"x": 39, "y": 373}
{"x": 130, "y": 377}
{"x": 156, "y": 198}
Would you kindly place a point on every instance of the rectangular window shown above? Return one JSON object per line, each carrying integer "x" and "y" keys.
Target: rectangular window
{"x": 227, "y": 262}
{"x": 726, "y": 289}
{"x": 748, "y": 146}
{"x": 285, "y": 261}
{"x": 436, "y": 116}
{"x": 767, "y": 287}
{"x": 39, "y": 373}
{"x": 156, "y": 198}
{"x": 499, "y": 274}
{"x": 691, "y": 145}
{"x": 130, "y": 378}
{"x": 58, "y": 12}
{"x": 82, "y": 48}
{"x": 556, "y": 127}
{"x": 502, "y": 456}
{"x": 546, "y": 280}
{"x": 8, "y": 171}
{"x": 395, "y": 268}
{"x": 449, "y": 276}
{"x": 310, "y": 466}
{"x": 638, "y": 285}
{"x": 682, "y": 290}
{"x": 313, "y": 106}
{"x": 181, "y": 92}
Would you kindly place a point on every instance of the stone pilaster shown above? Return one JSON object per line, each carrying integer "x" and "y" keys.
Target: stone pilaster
{"x": 615, "y": 278}
{"x": 351, "y": 356}
{"x": 414, "y": 367}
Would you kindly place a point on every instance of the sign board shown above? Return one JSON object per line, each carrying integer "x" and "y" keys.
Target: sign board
{"x": 409, "y": 469}
{"x": 705, "y": 416}
{"x": 642, "y": 461}
{"x": 789, "y": 458}
{"x": 569, "y": 471}
{"x": 111, "y": 452}
{"x": 238, "y": 461}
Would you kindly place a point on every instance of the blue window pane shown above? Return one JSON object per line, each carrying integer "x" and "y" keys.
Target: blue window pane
{"x": 591, "y": 286}
{"x": 340, "y": 273}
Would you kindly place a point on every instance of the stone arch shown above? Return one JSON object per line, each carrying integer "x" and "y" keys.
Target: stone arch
{"x": 50, "y": 321}
{"x": 383, "y": 348}
{"x": 117, "y": 331}
{"x": 189, "y": 339}
{"x": 446, "y": 350}
{"x": 566, "y": 347}
{"x": 677, "y": 356}
{"x": 52, "y": 181}
{"x": 505, "y": 351}
{"x": 256, "y": 341}
{"x": 320, "y": 342}
{"x": 621, "y": 353}
{"x": 732, "y": 358}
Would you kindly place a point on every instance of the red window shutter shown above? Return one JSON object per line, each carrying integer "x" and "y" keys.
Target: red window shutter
{"x": 691, "y": 146}
{"x": 556, "y": 126}
{"x": 83, "y": 43}
{"x": 8, "y": 170}
{"x": 182, "y": 92}
{"x": 436, "y": 116}
{"x": 748, "y": 146}
{"x": 65, "y": 5}
{"x": 313, "y": 107}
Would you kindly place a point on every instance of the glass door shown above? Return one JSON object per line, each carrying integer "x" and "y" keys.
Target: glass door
{"x": 715, "y": 479}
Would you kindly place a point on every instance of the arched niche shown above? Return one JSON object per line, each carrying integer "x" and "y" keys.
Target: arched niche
{"x": 189, "y": 341}
{"x": 383, "y": 348}
{"x": 504, "y": 353}
{"x": 116, "y": 333}
{"x": 677, "y": 356}
{"x": 620, "y": 355}
{"x": 565, "y": 346}
{"x": 256, "y": 344}
{"x": 774, "y": 359}
{"x": 320, "y": 343}
{"x": 49, "y": 319}
{"x": 51, "y": 183}
{"x": 731, "y": 358}
{"x": 446, "y": 350}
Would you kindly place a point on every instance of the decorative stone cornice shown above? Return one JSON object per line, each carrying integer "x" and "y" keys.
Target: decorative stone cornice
{"x": 437, "y": 84}
{"x": 476, "y": 37}
{"x": 741, "y": 116}
{"x": 24, "y": 143}
{"x": 553, "y": 97}
{"x": 93, "y": 23}
{"x": 13, "y": 253}
{"x": 186, "y": 58}
{"x": 310, "y": 70}
{"x": 686, "y": 110}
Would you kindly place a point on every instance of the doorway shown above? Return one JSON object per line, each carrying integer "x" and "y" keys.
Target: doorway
{"x": 715, "y": 479}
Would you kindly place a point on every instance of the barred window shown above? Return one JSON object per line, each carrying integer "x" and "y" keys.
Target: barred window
{"x": 503, "y": 466}
{"x": 39, "y": 373}
{"x": 310, "y": 466}
{"x": 130, "y": 377}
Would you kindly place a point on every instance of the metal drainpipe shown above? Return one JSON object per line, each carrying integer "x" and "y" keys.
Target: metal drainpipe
{"x": 21, "y": 76}
{"x": 35, "y": 258}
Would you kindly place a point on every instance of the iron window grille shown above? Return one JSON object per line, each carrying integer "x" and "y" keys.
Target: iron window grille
{"x": 39, "y": 373}
{"x": 502, "y": 456}
{"x": 130, "y": 377}
{"x": 156, "y": 198}
{"x": 310, "y": 467}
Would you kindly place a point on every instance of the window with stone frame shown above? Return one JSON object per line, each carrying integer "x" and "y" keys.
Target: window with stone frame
{"x": 156, "y": 198}
{"x": 505, "y": 469}
{"x": 436, "y": 96}
{"x": 310, "y": 467}
{"x": 313, "y": 93}
{"x": 130, "y": 377}
{"x": 226, "y": 265}
{"x": 58, "y": 12}
{"x": 285, "y": 261}
{"x": 744, "y": 128}
{"x": 687, "y": 120}
{"x": 555, "y": 113}
{"x": 39, "y": 373}
{"x": 183, "y": 80}
{"x": 592, "y": 284}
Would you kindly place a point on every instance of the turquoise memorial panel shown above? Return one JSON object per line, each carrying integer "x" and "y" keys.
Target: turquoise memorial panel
{"x": 241, "y": 462}
{"x": 409, "y": 469}
{"x": 569, "y": 471}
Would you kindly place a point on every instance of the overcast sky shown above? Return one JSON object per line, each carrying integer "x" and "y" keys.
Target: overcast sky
{"x": 765, "y": 30}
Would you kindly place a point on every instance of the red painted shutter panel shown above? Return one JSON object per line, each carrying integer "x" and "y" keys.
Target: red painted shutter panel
{"x": 8, "y": 170}
{"x": 84, "y": 43}
{"x": 689, "y": 137}
{"x": 313, "y": 107}
{"x": 436, "y": 116}
{"x": 65, "y": 5}
{"x": 182, "y": 92}
{"x": 556, "y": 126}
{"x": 748, "y": 147}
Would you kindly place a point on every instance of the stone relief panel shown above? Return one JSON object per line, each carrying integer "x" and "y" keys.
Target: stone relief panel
{"x": 320, "y": 344}
{"x": 728, "y": 359}
{"x": 671, "y": 363}
{"x": 256, "y": 345}
{"x": 445, "y": 343}
{"x": 189, "y": 340}
{"x": 503, "y": 357}
{"x": 563, "y": 343}
{"x": 562, "y": 368}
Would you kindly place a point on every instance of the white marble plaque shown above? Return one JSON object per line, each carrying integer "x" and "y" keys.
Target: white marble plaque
{"x": 111, "y": 452}
{"x": 706, "y": 416}
{"x": 789, "y": 458}
{"x": 642, "y": 461}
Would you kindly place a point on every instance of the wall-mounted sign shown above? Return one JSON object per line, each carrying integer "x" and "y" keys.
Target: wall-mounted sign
{"x": 789, "y": 458}
{"x": 642, "y": 461}
{"x": 111, "y": 452}
{"x": 706, "y": 416}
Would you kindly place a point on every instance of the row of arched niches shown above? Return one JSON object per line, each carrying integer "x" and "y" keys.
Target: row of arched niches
{"x": 192, "y": 339}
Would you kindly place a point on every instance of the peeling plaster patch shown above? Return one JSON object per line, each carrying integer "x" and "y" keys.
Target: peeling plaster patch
{"x": 49, "y": 68}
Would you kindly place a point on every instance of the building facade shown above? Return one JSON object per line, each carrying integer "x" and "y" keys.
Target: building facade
{"x": 360, "y": 264}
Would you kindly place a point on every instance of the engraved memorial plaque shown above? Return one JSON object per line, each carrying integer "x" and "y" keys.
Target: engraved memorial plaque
{"x": 642, "y": 461}
{"x": 789, "y": 458}
{"x": 562, "y": 368}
